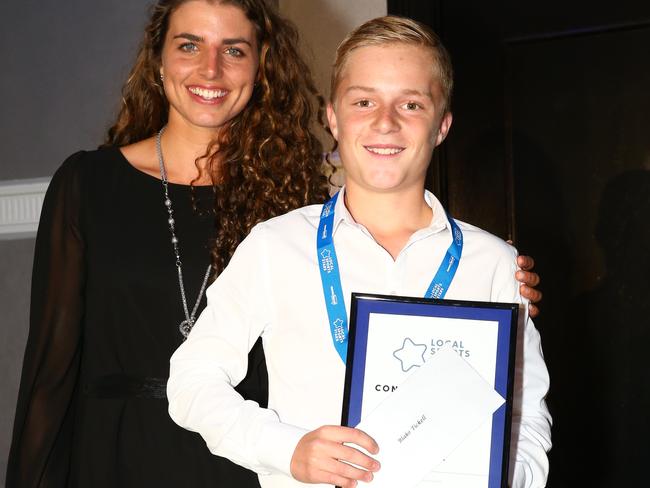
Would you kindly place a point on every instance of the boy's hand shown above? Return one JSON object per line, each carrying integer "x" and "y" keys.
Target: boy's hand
{"x": 321, "y": 457}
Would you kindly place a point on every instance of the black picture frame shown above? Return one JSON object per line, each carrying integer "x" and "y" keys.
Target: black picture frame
{"x": 502, "y": 317}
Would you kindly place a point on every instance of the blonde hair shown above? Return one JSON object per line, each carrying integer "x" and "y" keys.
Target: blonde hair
{"x": 392, "y": 30}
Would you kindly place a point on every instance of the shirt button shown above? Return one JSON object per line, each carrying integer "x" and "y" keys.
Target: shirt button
{"x": 393, "y": 292}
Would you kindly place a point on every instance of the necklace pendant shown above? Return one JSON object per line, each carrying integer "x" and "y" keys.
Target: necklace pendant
{"x": 185, "y": 327}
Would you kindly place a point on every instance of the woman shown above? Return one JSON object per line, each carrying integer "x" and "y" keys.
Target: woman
{"x": 106, "y": 300}
{"x": 112, "y": 295}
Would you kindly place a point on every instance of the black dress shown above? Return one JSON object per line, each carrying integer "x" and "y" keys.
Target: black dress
{"x": 105, "y": 310}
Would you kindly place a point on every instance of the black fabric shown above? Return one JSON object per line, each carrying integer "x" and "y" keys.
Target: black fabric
{"x": 123, "y": 386}
{"x": 106, "y": 304}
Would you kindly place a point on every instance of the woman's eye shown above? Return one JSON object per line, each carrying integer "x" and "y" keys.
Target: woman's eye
{"x": 235, "y": 52}
{"x": 188, "y": 47}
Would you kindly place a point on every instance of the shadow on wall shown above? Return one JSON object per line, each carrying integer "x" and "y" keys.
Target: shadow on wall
{"x": 323, "y": 24}
{"x": 542, "y": 232}
{"x": 601, "y": 431}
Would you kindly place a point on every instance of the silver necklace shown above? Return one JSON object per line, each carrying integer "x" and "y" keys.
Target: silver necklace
{"x": 186, "y": 325}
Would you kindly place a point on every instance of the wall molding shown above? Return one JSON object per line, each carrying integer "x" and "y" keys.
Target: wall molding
{"x": 20, "y": 207}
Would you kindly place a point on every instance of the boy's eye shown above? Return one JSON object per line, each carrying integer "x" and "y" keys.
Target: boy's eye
{"x": 411, "y": 106}
{"x": 363, "y": 103}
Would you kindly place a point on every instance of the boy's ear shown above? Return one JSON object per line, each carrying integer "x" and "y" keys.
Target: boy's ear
{"x": 443, "y": 130}
{"x": 331, "y": 119}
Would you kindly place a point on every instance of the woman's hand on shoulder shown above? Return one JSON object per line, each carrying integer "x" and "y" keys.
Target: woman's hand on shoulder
{"x": 528, "y": 280}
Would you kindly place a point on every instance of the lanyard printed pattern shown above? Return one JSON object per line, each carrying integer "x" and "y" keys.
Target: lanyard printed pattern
{"x": 331, "y": 277}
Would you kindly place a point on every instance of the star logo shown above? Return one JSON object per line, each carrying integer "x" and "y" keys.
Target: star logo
{"x": 339, "y": 331}
{"x": 327, "y": 262}
{"x": 410, "y": 355}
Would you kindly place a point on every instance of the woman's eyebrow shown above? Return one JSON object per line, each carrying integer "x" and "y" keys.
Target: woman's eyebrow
{"x": 189, "y": 37}
{"x": 236, "y": 40}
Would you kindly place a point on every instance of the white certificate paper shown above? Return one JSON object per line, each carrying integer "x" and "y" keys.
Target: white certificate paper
{"x": 428, "y": 418}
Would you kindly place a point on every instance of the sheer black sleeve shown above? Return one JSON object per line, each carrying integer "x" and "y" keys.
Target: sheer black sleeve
{"x": 42, "y": 437}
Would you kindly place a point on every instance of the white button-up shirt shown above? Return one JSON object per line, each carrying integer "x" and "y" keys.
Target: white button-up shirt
{"x": 272, "y": 288}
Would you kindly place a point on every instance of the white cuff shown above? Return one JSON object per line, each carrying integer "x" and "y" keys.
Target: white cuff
{"x": 276, "y": 445}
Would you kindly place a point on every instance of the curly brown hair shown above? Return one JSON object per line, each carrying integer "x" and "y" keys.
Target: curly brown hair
{"x": 265, "y": 161}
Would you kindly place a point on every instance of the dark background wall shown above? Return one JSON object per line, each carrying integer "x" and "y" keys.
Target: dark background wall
{"x": 62, "y": 67}
{"x": 550, "y": 146}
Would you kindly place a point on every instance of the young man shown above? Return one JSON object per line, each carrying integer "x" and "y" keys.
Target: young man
{"x": 391, "y": 86}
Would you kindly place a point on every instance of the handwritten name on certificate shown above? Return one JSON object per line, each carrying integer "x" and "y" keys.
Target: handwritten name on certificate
{"x": 428, "y": 417}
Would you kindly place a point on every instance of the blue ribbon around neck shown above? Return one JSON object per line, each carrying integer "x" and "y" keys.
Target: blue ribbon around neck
{"x": 331, "y": 277}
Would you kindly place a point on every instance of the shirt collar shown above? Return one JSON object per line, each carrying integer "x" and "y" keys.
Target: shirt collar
{"x": 438, "y": 222}
{"x": 439, "y": 219}
{"x": 341, "y": 212}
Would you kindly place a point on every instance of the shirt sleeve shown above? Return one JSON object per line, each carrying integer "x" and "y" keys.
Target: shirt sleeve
{"x": 531, "y": 420}
{"x": 213, "y": 359}
{"x": 42, "y": 435}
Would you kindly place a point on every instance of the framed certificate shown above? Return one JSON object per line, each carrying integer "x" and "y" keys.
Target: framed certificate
{"x": 392, "y": 338}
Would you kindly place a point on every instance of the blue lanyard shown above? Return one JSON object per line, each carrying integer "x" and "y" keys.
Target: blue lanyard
{"x": 331, "y": 277}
